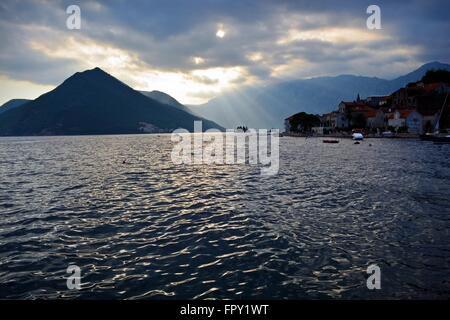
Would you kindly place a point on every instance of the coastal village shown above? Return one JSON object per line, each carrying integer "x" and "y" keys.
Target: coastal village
{"x": 418, "y": 108}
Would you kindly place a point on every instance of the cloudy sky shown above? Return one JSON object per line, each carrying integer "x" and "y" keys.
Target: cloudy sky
{"x": 197, "y": 49}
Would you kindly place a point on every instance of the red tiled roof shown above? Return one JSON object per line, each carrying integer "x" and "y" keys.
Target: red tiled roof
{"x": 405, "y": 113}
{"x": 361, "y": 107}
{"x": 433, "y": 86}
{"x": 355, "y": 104}
{"x": 371, "y": 113}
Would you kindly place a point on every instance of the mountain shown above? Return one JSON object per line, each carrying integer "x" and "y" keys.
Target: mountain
{"x": 268, "y": 106}
{"x": 94, "y": 102}
{"x": 419, "y": 73}
{"x": 166, "y": 99}
{"x": 11, "y": 104}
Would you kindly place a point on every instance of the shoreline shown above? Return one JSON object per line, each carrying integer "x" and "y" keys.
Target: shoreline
{"x": 349, "y": 136}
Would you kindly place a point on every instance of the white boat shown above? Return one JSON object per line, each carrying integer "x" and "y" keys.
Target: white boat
{"x": 357, "y": 136}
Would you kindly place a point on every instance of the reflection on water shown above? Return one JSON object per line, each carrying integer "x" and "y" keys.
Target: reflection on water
{"x": 151, "y": 229}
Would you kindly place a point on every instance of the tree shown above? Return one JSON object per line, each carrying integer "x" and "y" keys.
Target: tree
{"x": 304, "y": 122}
{"x": 402, "y": 129}
{"x": 437, "y": 75}
{"x": 359, "y": 120}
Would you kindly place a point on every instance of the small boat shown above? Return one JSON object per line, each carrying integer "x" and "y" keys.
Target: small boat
{"x": 438, "y": 137}
{"x": 330, "y": 141}
{"x": 357, "y": 136}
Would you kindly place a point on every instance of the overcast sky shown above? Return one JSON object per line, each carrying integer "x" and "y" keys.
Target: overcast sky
{"x": 196, "y": 49}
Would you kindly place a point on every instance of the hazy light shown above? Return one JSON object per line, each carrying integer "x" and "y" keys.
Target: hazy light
{"x": 198, "y": 60}
{"x": 220, "y": 33}
{"x": 13, "y": 89}
{"x": 255, "y": 56}
{"x": 88, "y": 52}
{"x": 222, "y": 76}
{"x": 334, "y": 35}
{"x": 192, "y": 87}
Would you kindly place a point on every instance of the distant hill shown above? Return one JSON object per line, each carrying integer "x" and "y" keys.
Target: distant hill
{"x": 419, "y": 73}
{"x": 94, "y": 102}
{"x": 11, "y": 104}
{"x": 166, "y": 99}
{"x": 268, "y": 106}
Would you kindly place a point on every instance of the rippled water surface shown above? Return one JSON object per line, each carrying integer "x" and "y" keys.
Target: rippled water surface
{"x": 152, "y": 229}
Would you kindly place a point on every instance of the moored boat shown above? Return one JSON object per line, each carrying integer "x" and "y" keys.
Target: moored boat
{"x": 439, "y": 136}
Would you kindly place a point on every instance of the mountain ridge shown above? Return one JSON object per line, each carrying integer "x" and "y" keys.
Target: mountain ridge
{"x": 13, "y": 103}
{"x": 166, "y": 99}
{"x": 267, "y": 107}
{"x": 256, "y": 107}
{"x": 94, "y": 102}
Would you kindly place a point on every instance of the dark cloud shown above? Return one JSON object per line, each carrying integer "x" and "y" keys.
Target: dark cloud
{"x": 166, "y": 34}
